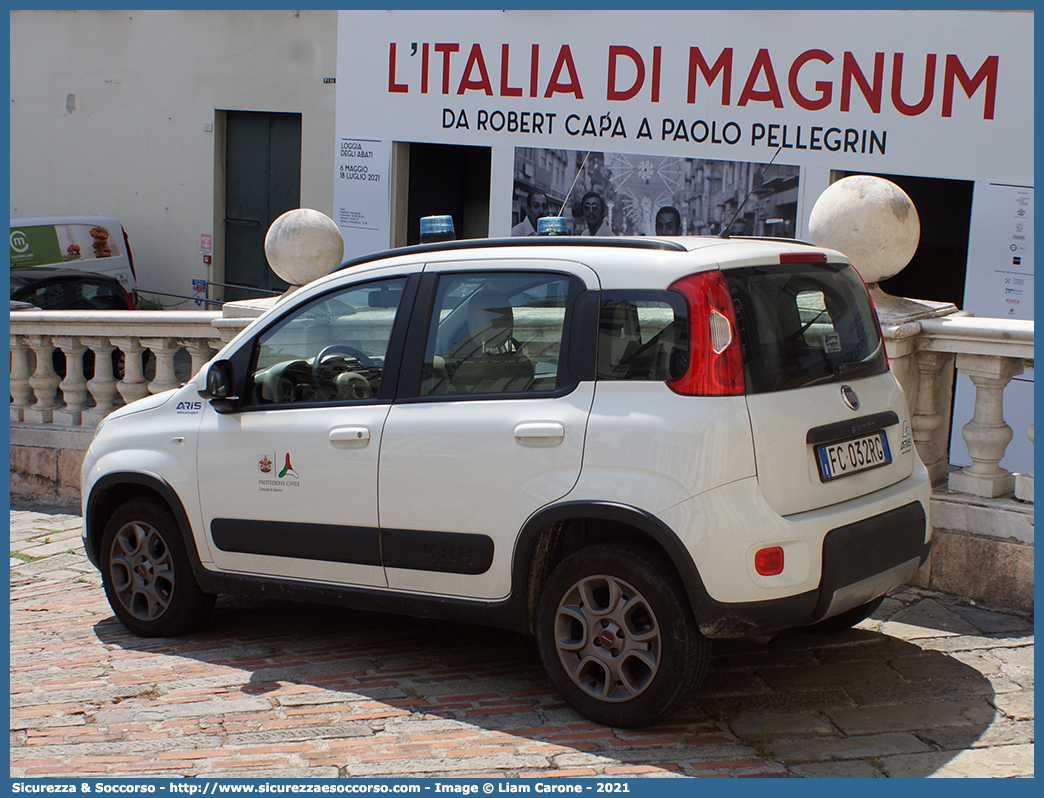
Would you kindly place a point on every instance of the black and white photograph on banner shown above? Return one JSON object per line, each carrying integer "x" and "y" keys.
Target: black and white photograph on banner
{"x": 616, "y": 194}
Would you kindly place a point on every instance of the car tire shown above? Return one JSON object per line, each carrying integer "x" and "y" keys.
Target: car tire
{"x": 146, "y": 572}
{"x": 846, "y": 620}
{"x": 618, "y": 637}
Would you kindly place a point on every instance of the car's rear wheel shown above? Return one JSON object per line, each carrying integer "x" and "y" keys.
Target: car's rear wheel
{"x": 146, "y": 572}
{"x": 846, "y": 620}
{"x": 618, "y": 637}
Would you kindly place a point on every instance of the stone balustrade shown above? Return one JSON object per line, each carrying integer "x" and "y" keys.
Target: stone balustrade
{"x": 924, "y": 354}
{"x": 990, "y": 352}
{"x": 150, "y": 341}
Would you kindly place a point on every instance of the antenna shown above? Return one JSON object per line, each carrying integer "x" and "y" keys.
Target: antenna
{"x": 579, "y": 172}
{"x": 728, "y": 228}
{"x": 557, "y": 224}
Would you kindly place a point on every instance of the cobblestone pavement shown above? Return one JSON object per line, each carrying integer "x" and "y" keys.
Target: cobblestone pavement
{"x": 932, "y": 686}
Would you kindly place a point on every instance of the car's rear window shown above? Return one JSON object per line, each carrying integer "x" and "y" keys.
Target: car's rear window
{"x": 801, "y": 324}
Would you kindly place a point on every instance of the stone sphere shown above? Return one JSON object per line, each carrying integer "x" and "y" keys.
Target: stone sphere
{"x": 869, "y": 219}
{"x": 303, "y": 245}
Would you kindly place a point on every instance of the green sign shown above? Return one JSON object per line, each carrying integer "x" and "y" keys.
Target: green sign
{"x": 34, "y": 246}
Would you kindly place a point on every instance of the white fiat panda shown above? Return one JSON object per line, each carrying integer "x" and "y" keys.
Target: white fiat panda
{"x": 624, "y": 447}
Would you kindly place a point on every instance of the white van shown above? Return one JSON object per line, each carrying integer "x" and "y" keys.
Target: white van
{"x": 90, "y": 243}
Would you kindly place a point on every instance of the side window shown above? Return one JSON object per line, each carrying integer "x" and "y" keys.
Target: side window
{"x": 642, "y": 335}
{"x": 496, "y": 333}
{"x": 331, "y": 350}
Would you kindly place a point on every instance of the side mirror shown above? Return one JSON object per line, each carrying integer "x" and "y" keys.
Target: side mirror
{"x": 219, "y": 387}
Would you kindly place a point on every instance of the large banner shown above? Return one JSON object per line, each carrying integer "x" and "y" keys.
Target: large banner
{"x": 933, "y": 93}
{"x": 702, "y": 94}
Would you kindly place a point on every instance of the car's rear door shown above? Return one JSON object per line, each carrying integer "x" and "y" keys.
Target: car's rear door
{"x": 493, "y": 428}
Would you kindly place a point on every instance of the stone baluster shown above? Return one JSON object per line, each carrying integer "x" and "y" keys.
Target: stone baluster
{"x": 164, "y": 350}
{"x": 44, "y": 381}
{"x": 927, "y": 418}
{"x": 21, "y": 392}
{"x": 201, "y": 352}
{"x": 1024, "y": 482}
{"x": 986, "y": 435}
{"x": 133, "y": 386}
{"x": 103, "y": 384}
{"x": 74, "y": 385}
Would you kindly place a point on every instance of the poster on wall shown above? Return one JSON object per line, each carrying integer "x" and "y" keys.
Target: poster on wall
{"x": 1000, "y": 285}
{"x": 615, "y": 193}
{"x": 362, "y": 172}
{"x": 1001, "y": 242}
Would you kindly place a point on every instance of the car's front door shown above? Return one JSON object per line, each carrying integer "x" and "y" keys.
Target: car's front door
{"x": 494, "y": 431}
{"x": 288, "y": 484}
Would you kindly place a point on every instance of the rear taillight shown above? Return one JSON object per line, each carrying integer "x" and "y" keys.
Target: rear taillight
{"x": 129, "y": 299}
{"x": 715, "y": 364}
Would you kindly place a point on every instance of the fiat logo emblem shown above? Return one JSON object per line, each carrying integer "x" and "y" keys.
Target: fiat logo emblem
{"x": 850, "y": 397}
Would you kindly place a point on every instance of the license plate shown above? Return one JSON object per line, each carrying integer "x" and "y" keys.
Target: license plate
{"x": 836, "y": 460}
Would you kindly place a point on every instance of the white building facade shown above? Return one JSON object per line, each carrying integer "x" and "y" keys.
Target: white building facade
{"x": 129, "y": 114}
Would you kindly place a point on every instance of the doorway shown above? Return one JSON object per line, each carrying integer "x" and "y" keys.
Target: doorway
{"x": 938, "y": 267}
{"x": 262, "y": 182}
{"x": 449, "y": 180}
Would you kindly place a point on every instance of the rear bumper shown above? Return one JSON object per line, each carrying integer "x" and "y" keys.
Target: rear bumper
{"x": 861, "y": 561}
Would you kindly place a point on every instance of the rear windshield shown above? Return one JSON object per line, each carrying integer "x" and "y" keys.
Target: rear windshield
{"x": 802, "y": 324}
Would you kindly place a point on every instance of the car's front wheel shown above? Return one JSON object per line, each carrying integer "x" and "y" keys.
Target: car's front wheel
{"x": 146, "y": 572}
{"x": 618, "y": 637}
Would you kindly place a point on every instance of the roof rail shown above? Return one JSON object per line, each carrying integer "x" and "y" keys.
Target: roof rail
{"x": 520, "y": 242}
{"x": 773, "y": 238}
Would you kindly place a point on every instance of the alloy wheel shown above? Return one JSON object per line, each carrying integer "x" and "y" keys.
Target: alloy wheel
{"x": 142, "y": 570}
{"x": 607, "y": 638}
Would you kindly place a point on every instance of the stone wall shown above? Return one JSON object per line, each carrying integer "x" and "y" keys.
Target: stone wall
{"x": 981, "y": 549}
{"x": 46, "y": 461}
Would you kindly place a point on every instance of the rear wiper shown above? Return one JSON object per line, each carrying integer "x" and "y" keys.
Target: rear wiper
{"x": 846, "y": 370}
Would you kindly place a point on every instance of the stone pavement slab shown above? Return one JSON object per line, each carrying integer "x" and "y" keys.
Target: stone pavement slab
{"x": 932, "y": 685}
{"x": 1001, "y": 762}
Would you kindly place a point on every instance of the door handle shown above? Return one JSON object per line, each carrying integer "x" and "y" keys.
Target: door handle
{"x": 539, "y": 433}
{"x": 349, "y": 437}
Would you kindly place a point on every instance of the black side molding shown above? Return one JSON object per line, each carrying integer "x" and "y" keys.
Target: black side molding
{"x": 448, "y": 552}
{"x": 325, "y": 542}
{"x": 415, "y": 549}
